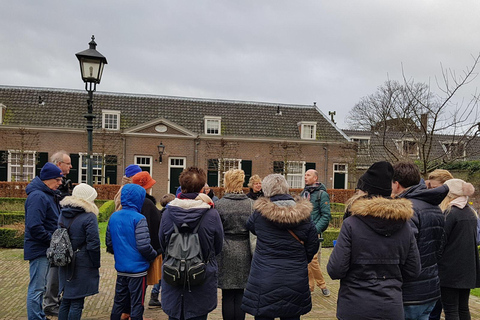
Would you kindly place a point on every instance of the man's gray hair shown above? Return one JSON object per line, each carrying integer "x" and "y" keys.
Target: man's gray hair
{"x": 274, "y": 184}
{"x": 57, "y": 157}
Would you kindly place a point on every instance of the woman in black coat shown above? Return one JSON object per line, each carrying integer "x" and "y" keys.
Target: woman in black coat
{"x": 286, "y": 242}
{"x": 459, "y": 267}
{"x": 80, "y": 278}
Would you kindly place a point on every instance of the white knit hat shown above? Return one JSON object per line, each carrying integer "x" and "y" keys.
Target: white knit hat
{"x": 85, "y": 192}
{"x": 458, "y": 187}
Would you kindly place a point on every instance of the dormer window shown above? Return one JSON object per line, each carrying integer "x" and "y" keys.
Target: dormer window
{"x": 111, "y": 120}
{"x": 308, "y": 130}
{"x": 454, "y": 150}
{"x": 213, "y": 125}
{"x": 2, "y": 112}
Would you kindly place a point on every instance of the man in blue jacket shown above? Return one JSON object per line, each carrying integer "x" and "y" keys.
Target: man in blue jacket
{"x": 421, "y": 294}
{"x": 128, "y": 239}
{"x": 41, "y": 216}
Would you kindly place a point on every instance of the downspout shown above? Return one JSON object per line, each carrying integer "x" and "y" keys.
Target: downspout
{"x": 326, "y": 166}
{"x": 195, "y": 159}
{"x": 124, "y": 152}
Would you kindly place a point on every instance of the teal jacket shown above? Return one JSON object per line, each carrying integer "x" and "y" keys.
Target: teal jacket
{"x": 321, "y": 205}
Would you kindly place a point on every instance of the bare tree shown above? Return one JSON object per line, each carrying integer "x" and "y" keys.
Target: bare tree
{"x": 408, "y": 120}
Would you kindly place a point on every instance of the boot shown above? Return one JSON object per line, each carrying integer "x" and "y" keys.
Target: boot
{"x": 154, "y": 300}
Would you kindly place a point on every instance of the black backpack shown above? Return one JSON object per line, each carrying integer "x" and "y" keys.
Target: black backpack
{"x": 60, "y": 253}
{"x": 184, "y": 264}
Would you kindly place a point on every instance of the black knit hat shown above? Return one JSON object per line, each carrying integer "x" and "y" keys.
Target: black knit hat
{"x": 377, "y": 181}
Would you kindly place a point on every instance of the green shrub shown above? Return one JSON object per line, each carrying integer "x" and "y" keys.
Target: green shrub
{"x": 12, "y": 204}
{"x": 10, "y": 238}
{"x": 337, "y": 207}
{"x": 106, "y": 210}
{"x": 11, "y": 217}
{"x": 328, "y": 236}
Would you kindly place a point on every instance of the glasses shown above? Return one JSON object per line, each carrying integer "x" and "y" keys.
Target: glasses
{"x": 58, "y": 179}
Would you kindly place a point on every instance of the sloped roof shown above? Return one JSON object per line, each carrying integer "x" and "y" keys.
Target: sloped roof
{"x": 64, "y": 108}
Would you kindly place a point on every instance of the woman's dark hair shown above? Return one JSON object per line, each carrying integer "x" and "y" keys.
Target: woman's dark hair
{"x": 192, "y": 179}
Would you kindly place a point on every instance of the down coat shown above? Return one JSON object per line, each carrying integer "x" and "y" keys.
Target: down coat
{"x": 375, "y": 252}
{"x": 278, "y": 281}
{"x": 82, "y": 278}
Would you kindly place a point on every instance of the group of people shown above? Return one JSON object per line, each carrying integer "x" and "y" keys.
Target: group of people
{"x": 407, "y": 248}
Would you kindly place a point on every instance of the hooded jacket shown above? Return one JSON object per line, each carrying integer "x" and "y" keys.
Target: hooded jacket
{"x": 197, "y": 300}
{"x": 375, "y": 252}
{"x": 278, "y": 281}
{"x": 81, "y": 278}
{"x": 41, "y": 217}
{"x": 320, "y": 200}
{"x": 127, "y": 235}
{"x": 428, "y": 227}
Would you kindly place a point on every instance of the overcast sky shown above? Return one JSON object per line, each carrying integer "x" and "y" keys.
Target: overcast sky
{"x": 332, "y": 52}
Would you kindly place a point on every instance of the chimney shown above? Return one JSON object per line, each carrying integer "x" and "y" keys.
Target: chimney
{"x": 424, "y": 121}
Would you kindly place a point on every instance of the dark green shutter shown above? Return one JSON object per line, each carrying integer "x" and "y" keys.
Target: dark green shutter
{"x": 3, "y": 165}
{"x": 247, "y": 168}
{"x": 212, "y": 174}
{"x": 42, "y": 158}
{"x": 278, "y": 167}
{"x": 310, "y": 165}
{"x": 73, "y": 175}
{"x": 111, "y": 169}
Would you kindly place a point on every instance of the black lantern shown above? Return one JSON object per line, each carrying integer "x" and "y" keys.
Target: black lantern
{"x": 161, "y": 151}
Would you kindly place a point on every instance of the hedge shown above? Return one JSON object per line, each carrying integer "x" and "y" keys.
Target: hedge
{"x": 106, "y": 211}
{"x": 11, "y": 217}
{"x": 10, "y": 238}
{"x": 328, "y": 236}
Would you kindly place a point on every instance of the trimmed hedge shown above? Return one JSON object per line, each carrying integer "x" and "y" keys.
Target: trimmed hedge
{"x": 11, "y": 217}
{"x": 106, "y": 211}
{"x": 328, "y": 236}
{"x": 10, "y": 238}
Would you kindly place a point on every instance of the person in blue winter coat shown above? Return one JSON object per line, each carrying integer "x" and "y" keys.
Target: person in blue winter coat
{"x": 41, "y": 217}
{"x": 190, "y": 206}
{"x": 80, "y": 279}
{"x": 128, "y": 239}
{"x": 286, "y": 242}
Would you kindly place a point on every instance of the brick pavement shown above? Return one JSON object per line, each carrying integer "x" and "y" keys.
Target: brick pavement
{"x": 14, "y": 282}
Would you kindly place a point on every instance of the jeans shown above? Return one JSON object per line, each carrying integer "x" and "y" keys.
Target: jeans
{"x": 71, "y": 309}
{"x": 437, "y": 311}
{"x": 36, "y": 288}
{"x": 231, "y": 304}
{"x": 419, "y": 311}
{"x": 204, "y": 317}
{"x": 156, "y": 287}
{"x": 455, "y": 303}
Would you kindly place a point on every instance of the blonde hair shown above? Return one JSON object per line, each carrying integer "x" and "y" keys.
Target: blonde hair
{"x": 254, "y": 179}
{"x": 233, "y": 180}
{"x": 440, "y": 175}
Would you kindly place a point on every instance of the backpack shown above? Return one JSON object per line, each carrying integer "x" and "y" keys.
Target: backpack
{"x": 184, "y": 264}
{"x": 60, "y": 253}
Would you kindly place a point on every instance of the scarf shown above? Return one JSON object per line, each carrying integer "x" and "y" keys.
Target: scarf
{"x": 310, "y": 189}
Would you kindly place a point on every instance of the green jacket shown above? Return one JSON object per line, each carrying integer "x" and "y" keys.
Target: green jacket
{"x": 321, "y": 206}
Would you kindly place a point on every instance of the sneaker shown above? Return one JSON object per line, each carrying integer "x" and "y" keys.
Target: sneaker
{"x": 326, "y": 292}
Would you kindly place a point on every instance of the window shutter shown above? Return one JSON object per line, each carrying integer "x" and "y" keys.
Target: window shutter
{"x": 111, "y": 169}
{"x": 212, "y": 173}
{"x": 278, "y": 167}
{"x": 247, "y": 168}
{"x": 73, "y": 175}
{"x": 42, "y": 158}
{"x": 310, "y": 165}
{"x": 3, "y": 166}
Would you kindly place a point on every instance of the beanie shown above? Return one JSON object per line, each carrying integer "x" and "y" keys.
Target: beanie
{"x": 50, "y": 171}
{"x": 458, "y": 187}
{"x": 144, "y": 179}
{"x": 377, "y": 180}
{"x": 132, "y": 170}
{"x": 85, "y": 192}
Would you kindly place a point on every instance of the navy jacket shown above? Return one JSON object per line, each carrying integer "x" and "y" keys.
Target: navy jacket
{"x": 198, "y": 300}
{"x": 427, "y": 224}
{"x": 41, "y": 217}
{"x": 278, "y": 282}
{"x": 127, "y": 235}
{"x": 81, "y": 278}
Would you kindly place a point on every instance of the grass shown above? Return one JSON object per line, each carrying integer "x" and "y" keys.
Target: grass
{"x": 102, "y": 226}
{"x": 475, "y": 292}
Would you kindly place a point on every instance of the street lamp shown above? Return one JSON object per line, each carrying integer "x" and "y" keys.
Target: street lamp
{"x": 91, "y": 68}
{"x": 161, "y": 151}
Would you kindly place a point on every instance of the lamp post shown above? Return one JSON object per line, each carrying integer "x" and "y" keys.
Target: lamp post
{"x": 161, "y": 151}
{"x": 91, "y": 68}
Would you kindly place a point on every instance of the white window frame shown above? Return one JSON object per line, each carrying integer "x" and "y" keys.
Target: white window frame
{"x": 448, "y": 153}
{"x": 97, "y": 178}
{"x": 30, "y": 174}
{"x": 2, "y": 108}
{"x": 336, "y": 169}
{"x": 401, "y": 148}
{"x": 295, "y": 180}
{"x": 138, "y": 161}
{"x": 170, "y": 165}
{"x": 237, "y": 164}
{"x": 106, "y": 113}
{"x": 210, "y": 119}
{"x": 365, "y": 149}
{"x": 308, "y": 134}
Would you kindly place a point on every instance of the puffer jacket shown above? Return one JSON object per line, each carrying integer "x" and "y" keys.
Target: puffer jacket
{"x": 375, "y": 252}
{"x": 427, "y": 224}
{"x": 320, "y": 200}
{"x": 278, "y": 282}
{"x": 41, "y": 217}
{"x": 127, "y": 235}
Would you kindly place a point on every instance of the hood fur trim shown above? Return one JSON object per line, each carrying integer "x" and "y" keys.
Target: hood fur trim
{"x": 284, "y": 215}
{"x": 79, "y": 203}
{"x": 392, "y": 209}
{"x": 189, "y": 204}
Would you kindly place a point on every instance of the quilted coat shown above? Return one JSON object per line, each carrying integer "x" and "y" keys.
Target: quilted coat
{"x": 375, "y": 252}
{"x": 278, "y": 281}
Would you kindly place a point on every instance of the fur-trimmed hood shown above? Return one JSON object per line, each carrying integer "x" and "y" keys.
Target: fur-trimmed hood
{"x": 72, "y": 201}
{"x": 285, "y": 215}
{"x": 384, "y": 216}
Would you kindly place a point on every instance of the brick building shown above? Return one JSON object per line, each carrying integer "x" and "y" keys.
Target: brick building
{"x": 216, "y": 135}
